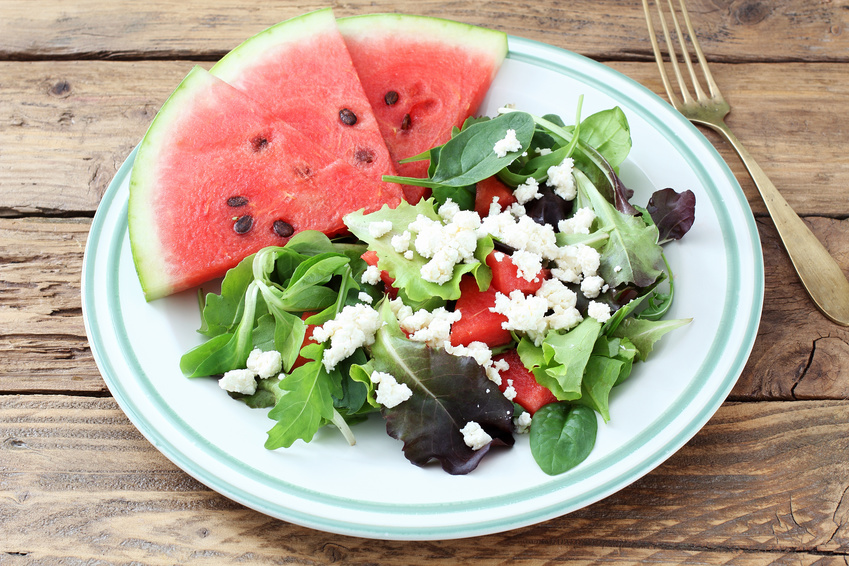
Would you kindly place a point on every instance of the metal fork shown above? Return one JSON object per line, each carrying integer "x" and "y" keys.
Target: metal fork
{"x": 819, "y": 273}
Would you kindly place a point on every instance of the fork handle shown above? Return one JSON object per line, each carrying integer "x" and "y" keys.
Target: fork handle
{"x": 819, "y": 272}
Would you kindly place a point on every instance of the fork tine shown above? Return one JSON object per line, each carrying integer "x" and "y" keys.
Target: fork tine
{"x": 685, "y": 53}
{"x": 714, "y": 90}
{"x": 658, "y": 56}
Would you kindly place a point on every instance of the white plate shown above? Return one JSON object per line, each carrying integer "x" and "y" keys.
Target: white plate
{"x": 371, "y": 490}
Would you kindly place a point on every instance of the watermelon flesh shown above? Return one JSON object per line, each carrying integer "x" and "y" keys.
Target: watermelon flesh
{"x": 300, "y": 72}
{"x": 422, "y": 76}
{"x": 212, "y": 157}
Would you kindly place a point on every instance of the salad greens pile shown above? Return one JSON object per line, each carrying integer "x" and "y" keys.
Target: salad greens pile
{"x": 273, "y": 299}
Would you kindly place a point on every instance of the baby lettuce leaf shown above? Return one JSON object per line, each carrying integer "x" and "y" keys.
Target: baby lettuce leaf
{"x": 567, "y": 355}
{"x": 448, "y": 392}
{"x": 644, "y": 333}
{"x": 407, "y": 272}
{"x": 631, "y": 253}
{"x": 674, "y": 213}
{"x": 562, "y": 436}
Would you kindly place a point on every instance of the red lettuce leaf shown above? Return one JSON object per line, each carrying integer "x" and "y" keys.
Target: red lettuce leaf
{"x": 448, "y": 392}
{"x": 672, "y": 212}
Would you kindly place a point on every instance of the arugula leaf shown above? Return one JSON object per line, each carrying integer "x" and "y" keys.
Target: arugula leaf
{"x": 225, "y": 351}
{"x": 406, "y": 272}
{"x": 307, "y": 404}
{"x": 448, "y": 392}
{"x": 562, "y": 436}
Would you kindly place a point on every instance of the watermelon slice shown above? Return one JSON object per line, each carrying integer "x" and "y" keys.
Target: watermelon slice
{"x": 217, "y": 178}
{"x": 422, "y": 76}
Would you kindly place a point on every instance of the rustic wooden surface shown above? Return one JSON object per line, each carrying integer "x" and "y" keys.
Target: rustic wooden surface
{"x": 767, "y": 480}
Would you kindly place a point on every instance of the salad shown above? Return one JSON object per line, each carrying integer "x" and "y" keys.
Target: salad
{"x": 513, "y": 300}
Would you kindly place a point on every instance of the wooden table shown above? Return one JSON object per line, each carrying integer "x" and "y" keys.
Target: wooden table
{"x": 766, "y": 480}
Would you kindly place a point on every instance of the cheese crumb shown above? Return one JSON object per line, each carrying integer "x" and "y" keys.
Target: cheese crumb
{"x": 560, "y": 179}
{"x": 239, "y": 381}
{"x": 591, "y": 286}
{"x": 371, "y": 276}
{"x": 528, "y": 264}
{"x": 510, "y": 391}
{"x": 265, "y": 364}
{"x": 522, "y": 423}
{"x": 390, "y": 393}
{"x": 508, "y": 144}
{"x": 475, "y": 436}
{"x": 527, "y": 191}
{"x": 599, "y": 311}
{"x": 579, "y": 223}
{"x": 379, "y": 229}
{"x": 354, "y": 327}
{"x": 364, "y": 297}
{"x": 401, "y": 242}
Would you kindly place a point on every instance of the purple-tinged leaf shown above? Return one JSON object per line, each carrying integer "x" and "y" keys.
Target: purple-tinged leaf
{"x": 448, "y": 392}
{"x": 672, "y": 212}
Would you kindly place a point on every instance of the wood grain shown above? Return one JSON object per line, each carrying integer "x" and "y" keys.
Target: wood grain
{"x": 759, "y": 478}
{"x": 66, "y": 127}
{"x": 730, "y": 30}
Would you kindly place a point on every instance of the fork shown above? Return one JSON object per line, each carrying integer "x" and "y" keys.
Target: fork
{"x": 819, "y": 272}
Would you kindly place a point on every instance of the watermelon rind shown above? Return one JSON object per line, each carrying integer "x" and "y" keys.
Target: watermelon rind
{"x": 448, "y": 32}
{"x": 293, "y": 30}
{"x": 145, "y": 243}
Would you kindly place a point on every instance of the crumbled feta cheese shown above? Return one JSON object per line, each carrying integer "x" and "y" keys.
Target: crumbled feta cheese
{"x": 510, "y": 391}
{"x": 525, "y": 313}
{"x": 543, "y": 150}
{"x": 617, "y": 269}
{"x": 517, "y": 210}
{"x": 371, "y": 276}
{"x": 522, "y": 234}
{"x": 562, "y": 302}
{"x": 353, "y": 327}
{"x": 527, "y": 191}
{"x": 580, "y": 222}
{"x": 575, "y": 260}
{"x": 364, "y": 297}
{"x": 522, "y": 423}
{"x": 528, "y": 264}
{"x": 430, "y": 327}
{"x": 591, "y": 286}
{"x": 409, "y": 255}
{"x": 401, "y": 242}
{"x": 379, "y": 229}
{"x": 239, "y": 381}
{"x": 560, "y": 179}
{"x": 507, "y": 144}
{"x": 265, "y": 364}
{"x": 599, "y": 311}
{"x": 445, "y": 244}
{"x": 493, "y": 371}
{"x": 475, "y": 436}
{"x": 448, "y": 209}
{"x": 390, "y": 393}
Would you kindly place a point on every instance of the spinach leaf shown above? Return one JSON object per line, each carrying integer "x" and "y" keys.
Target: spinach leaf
{"x": 469, "y": 157}
{"x": 562, "y": 436}
{"x": 447, "y": 393}
{"x": 609, "y": 133}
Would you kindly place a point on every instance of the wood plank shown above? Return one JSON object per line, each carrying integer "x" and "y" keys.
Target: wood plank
{"x": 798, "y": 353}
{"x": 66, "y": 127}
{"x": 739, "y": 31}
{"x": 761, "y": 482}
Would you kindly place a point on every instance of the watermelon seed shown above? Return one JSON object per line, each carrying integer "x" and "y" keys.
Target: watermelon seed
{"x": 259, "y": 143}
{"x": 364, "y": 155}
{"x": 390, "y": 98}
{"x": 244, "y": 224}
{"x": 236, "y": 202}
{"x": 348, "y": 117}
{"x": 283, "y": 229}
{"x": 405, "y": 123}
